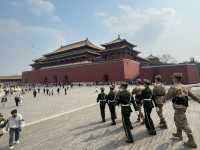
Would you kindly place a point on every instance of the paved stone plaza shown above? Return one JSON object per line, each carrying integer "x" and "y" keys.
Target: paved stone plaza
{"x": 82, "y": 129}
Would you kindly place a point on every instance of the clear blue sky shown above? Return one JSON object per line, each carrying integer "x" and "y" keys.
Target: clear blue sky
{"x": 30, "y": 28}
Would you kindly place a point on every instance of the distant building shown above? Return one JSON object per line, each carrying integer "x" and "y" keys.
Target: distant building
{"x": 85, "y": 62}
{"x": 189, "y": 71}
{"x": 11, "y": 79}
{"x": 153, "y": 60}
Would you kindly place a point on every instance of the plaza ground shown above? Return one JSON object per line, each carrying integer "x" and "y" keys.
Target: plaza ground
{"x": 81, "y": 129}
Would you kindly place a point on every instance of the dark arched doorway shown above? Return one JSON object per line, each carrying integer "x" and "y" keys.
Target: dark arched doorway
{"x": 106, "y": 78}
{"x": 45, "y": 79}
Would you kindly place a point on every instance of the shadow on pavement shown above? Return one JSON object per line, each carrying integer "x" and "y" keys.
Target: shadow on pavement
{"x": 105, "y": 134}
{"x": 114, "y": 144}
{"x": 87, "y": 125}
{"x": 92, "y": 129}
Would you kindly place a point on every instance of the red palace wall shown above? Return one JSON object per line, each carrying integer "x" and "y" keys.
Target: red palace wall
{"x": 115, "y": 70}
{"x": 189, "y": 71}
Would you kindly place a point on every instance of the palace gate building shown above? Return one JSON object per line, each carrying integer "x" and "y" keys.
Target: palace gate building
{"x": 85, "y": 62}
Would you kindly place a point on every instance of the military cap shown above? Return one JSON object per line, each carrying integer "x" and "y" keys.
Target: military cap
{"x": 146, "y": 81}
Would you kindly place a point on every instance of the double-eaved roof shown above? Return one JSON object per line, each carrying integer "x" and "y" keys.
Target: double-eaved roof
{"x": 76, "y": 45}
{"x": 72, "y": 46}
{"x": 118, "y": 40}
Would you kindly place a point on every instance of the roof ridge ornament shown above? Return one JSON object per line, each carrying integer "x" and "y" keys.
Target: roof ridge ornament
{"x": 118, "y": 37}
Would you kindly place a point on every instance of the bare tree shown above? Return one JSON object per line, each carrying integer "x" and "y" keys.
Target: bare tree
{"x": 167, "y": 59}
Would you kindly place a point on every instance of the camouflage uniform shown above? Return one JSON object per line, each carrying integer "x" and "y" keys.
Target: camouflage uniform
{"x": 179, "y": 95}
{"x": 137, "y": 92}
{"x": 158, "y": 95}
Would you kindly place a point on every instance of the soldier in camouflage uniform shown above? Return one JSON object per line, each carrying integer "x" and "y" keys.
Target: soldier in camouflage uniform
{"x": 158, "y": 95}
{"x": 111, "y": 104}
{"x": 179, "y": 95}
{"x": 137, "y": 92}
{"x": 124, "y": 99}
{"x": 101, "y": 98}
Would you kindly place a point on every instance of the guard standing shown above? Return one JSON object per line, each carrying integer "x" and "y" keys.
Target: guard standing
{"x": 179, "y": 95}
{"x": 124, "y": 99}
{"x": 137, "y": 91}
{"x": 159, "y": 96}
{"x": 111, "y": 104}
{"x": 148, "y": 106}
{"x": 102, "y": 99}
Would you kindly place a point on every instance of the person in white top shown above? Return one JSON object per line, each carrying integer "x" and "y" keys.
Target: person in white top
{"x": 14, "y": 125}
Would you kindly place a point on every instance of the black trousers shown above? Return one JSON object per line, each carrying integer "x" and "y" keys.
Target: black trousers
{"x": 148, "y": 121}
{"x": 112, "y": 111}
{"x": 17, "y": 102}
{"x": 126, "y": 113}
{"x": 102, "y": 110}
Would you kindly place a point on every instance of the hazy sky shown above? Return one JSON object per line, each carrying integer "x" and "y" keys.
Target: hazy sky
{"x": 30, "y": 28}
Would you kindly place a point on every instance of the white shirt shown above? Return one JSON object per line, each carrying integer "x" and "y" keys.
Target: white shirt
{"x": 15, "y": 122}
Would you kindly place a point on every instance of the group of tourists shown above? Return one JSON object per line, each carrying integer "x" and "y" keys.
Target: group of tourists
{"x": 50, "y": 91}
{"x": 144, "y": 96}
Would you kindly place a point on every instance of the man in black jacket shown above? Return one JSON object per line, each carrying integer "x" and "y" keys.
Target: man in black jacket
{"x": 101, "y": 99}
{"x": 147, "y": 96}
{"x": 111, "y": 104}
{"x": 124, "y": 98}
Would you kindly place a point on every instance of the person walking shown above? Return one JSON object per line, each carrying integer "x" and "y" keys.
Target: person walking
{"x": 124, "y": 98}
{"x": 34, "y": 93}
{"x": 137, "y": 91}
{"x": 14, "y": 126}
{"x": 159, "y": 96}
{"x": 147, "y": 95}
{"x": 17, "y": 100}
{"x": 110, "y": 98}
{"x": 101, "y": 99}
{"x": 180, "y": 94}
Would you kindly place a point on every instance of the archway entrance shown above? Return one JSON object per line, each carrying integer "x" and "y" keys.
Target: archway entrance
{"x": 45, "y": 79}
{"x": 106, "y": 78}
